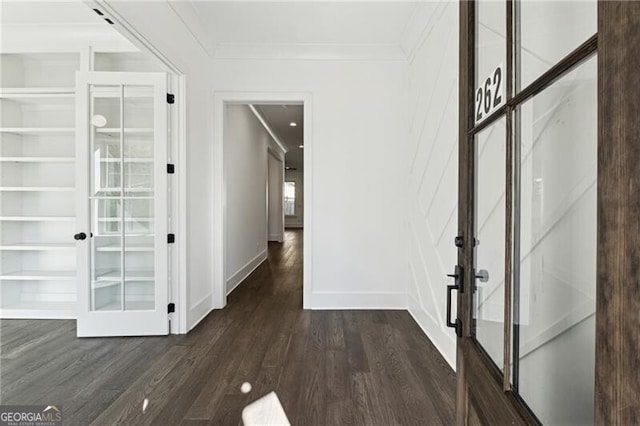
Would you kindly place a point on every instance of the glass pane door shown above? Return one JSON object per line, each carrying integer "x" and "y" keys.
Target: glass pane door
{"x": 123, "y": 278}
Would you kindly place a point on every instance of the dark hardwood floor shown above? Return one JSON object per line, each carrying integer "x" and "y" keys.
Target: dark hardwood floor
{"x": 327, "y": 367}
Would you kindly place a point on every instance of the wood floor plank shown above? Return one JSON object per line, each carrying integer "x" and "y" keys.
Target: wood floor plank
{"x": 327, "y": 367}
{"x": 127, "y": 409}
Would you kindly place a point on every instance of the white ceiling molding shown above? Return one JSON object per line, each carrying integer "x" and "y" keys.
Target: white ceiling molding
{"x": 189, "y": 16}
{"x": 59, "y": 37}
{"x": 269, "y": 130}
{"x": 311, "y": 52}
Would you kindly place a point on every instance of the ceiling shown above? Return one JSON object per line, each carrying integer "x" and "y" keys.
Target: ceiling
{"x": 47, "y": 12}
{"x": 303, "y": 22}
{"x": 279, "y": 118}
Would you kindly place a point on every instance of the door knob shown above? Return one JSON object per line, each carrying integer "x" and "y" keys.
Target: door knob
{"x": 483, "y": 275}
{"x": 80, "y": 236}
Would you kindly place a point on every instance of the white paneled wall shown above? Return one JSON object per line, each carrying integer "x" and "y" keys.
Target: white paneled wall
{"x": 432, "y": 46}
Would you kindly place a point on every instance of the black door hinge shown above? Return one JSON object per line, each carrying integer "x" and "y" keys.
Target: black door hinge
{"x": 171, "y": 169}
{"x": 170, "y": 98}
{"x": 171, "y": 308}
{"x": 171, "y": 238}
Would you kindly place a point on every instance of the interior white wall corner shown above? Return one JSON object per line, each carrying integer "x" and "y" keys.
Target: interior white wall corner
{"x": 433, "y": 168}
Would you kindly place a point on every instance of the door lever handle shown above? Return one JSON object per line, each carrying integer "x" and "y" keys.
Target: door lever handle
{"x": 457, "y": 275}
{"x": 80, "y": 236}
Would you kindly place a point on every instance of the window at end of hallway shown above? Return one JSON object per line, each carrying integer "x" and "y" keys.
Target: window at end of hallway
{"x": 289, "y": 198}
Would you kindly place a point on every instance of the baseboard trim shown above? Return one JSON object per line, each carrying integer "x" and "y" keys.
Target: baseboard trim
{"x": 275, "y": 238}
{"x": 199, "y": 310}
{"x": 237, "y": 278}
{"x": 426, "y": 323}
{"x": 343, "y": 301}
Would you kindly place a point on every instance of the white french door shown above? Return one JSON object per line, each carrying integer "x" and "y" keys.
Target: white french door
{"x": 121, "y": 152}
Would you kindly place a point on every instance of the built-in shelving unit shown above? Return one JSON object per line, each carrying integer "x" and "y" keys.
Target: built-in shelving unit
{"x": 37, "y": 185}
{"x": 38, "y": 196}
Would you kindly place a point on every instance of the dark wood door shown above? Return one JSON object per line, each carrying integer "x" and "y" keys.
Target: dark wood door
{"x": 512, "y": 229}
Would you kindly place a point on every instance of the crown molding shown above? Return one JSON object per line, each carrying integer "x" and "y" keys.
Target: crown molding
{"x": 25, "y": 38}
{"x": 310, "y": 52}
{"x": 267, "y": 126}
{"x": 189, "y": 17}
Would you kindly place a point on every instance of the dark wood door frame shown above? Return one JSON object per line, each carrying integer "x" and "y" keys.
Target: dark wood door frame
{"x": 617, "y": 387}
{"x": 617, "y": 390}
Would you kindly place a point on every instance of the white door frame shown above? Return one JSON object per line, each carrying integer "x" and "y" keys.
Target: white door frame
{"x": 219, "y": 234}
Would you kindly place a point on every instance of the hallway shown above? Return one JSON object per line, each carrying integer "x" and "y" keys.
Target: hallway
{"x": 327, "y": 367}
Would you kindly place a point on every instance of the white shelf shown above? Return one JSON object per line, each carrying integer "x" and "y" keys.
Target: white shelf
{"x": 126, "y": 160}
{"x": 38, "y": 276}
{"x": 39, "y": 130}
{"x": 36, "y": 247}
{"x": 37, "y": 92}
{"x": 37, "y": 159}
{"x": 36, "y": 189}
{"x": 138, "y": 305}
{"x": 126, "y": 219}
{"x": 110, "y": 278}
{"x": 134, "y": 131}
{"x": 117, "y": 189}
{"x": 128, "y": 248}
{"x": 37, "y": 218}
{"x": 39, "y": 310}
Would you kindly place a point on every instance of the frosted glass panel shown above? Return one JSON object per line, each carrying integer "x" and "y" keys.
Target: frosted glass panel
{"x": 549, "y": 31}
{"x": 490, "y": 239}
{"x": 558, "y": 248}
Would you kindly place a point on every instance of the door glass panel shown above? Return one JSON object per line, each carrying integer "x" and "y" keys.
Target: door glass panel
{"x": 122, "y": 198}
{"x": 490, "y": 53}
{"x": 550, "y": 30}
{"x": 139, "y": 198}
{"x": 490, "y": 147}
{"x": 558, "y": 248}
{"x": 105, "y": 201}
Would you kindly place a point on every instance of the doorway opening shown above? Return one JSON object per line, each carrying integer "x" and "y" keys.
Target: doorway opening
{"x": 262, "y": 175}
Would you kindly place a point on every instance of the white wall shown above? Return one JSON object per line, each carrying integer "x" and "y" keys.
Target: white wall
{"x": 275, "y": 219}
{"x": 245, "y": 154}
{"x": 358, "y": 150}
{"x": 432, "y": 46}
{"x": 359, "y": 129}
{"x": 297, "y": 220}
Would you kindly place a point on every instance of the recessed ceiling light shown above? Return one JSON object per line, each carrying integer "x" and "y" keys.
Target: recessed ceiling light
{"x": 293, "y": 124}
{"x": 300, "y": 146}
